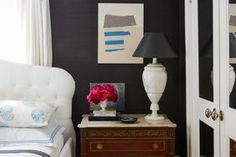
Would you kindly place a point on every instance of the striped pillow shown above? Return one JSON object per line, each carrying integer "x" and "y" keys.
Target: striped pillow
{"x": 48, "y": 135}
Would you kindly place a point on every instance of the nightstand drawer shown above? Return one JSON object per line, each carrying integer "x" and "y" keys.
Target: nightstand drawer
{"x": 129, "y": 132}
{"x": 116, "y": 139}
{"x": 126, "y": 145}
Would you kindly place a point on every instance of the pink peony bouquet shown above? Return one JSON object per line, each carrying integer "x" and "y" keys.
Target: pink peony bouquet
{"x": 99, "y": 93}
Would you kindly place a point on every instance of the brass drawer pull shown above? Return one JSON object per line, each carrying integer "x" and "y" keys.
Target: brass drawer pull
{"x": 155, "y": 146}
{"x": 99, "y": 146}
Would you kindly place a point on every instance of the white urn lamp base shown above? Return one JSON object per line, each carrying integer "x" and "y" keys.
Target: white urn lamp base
{"x": 154, "y": 115}
{"x": 231, "y": 78}
{"x": 151, "y": 117}
{"x": 154, "y": 81}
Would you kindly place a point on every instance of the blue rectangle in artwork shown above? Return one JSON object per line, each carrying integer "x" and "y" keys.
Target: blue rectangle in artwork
{"x": 112, "y": 50}
{"x": 117, "y": 33}
{"x": 114, "y": 42}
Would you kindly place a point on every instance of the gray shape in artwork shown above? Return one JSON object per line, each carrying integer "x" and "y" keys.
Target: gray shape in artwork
{"x": 38, "y": 116}
{"x": 119, "y": 21}
{"x": 6, "y": 113}
{"x": 232, "y": 20}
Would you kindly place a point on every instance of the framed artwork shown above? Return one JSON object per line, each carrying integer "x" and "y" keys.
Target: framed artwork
{"x": 118, "y": 105}
{"x": 232, "y": 18}
{"x": 232, "y": 24}
{"x": 120, "y": 29}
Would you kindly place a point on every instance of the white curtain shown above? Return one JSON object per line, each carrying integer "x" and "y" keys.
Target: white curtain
{"x": 36, "y": 23}
{"x": 12, "y": 38}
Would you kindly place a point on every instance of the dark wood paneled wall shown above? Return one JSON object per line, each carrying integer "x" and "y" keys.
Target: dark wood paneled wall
{"x": 74, "y": 33}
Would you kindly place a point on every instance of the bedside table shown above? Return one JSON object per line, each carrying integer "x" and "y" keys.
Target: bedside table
{"x": 116, "y": 139}
{"x": 232, "y": 148}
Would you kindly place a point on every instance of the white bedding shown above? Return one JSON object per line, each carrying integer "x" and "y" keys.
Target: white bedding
{"x": 32, "y": 150}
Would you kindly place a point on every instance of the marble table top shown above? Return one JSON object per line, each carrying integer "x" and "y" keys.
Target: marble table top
{"x": 141, "y": 122}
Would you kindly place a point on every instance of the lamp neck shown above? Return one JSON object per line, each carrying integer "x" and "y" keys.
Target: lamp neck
{"x": 154, "y": 61}
{"x": 154, "y": 64}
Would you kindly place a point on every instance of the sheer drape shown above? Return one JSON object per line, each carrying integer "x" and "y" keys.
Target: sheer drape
{"x": 25, "y": 31}
{"x": 12, "y": 38}
{"x": 36, "y": 22}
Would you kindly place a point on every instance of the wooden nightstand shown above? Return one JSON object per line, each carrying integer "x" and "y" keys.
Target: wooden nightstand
{"x": 232, "y": 148}
{"x": 116, "y": 139}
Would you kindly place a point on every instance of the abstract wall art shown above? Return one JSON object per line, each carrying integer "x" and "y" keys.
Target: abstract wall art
{"x": 120, "y": 29}
{"x": 232, "y": 18}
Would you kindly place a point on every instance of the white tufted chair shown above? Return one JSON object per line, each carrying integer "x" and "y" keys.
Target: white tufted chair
{"x": 36, "y": 83}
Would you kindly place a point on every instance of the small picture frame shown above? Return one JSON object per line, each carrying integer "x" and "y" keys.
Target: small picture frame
{"x": 111, "y": 109}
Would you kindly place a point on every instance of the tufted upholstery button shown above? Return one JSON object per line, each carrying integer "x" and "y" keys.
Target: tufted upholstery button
{"x": 38, "y": 97}
{"x": 47, "y": 83}
{"x": 55, "y": 97}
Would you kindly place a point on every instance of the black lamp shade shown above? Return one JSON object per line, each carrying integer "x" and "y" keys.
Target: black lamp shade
{"x": 207, "y": 51}
{"x": 154, "y": 45}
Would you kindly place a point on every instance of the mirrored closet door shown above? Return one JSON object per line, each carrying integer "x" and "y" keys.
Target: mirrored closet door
{"x": 228, "y": 94}
{"x": 210, "y": 75}
{"x": 207, "y": 72}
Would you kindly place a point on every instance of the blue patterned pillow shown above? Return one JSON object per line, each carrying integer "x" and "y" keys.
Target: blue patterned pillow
{"x": 14, "y": 113}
